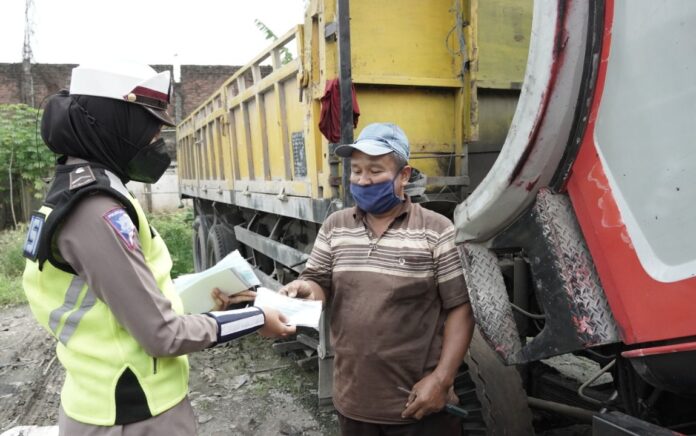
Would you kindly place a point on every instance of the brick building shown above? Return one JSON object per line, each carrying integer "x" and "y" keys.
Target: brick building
{"x": 197, "y": 83}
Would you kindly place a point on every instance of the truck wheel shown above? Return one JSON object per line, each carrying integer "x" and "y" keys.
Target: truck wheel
{"x": 221, "y": 241}
{"x": 493, "y": 393}
{"x": 199, "y": 243}
{"x": 489, "y": 299}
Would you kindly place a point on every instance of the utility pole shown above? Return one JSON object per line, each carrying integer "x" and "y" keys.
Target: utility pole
{"x": 345, "y": 80}
{"x": 27, "y": 80}
{"x": 178, "y": 99}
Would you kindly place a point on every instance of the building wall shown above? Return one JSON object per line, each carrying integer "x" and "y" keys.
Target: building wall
{"x": 10, "y": 81}
{"x": 196, "y": 84}
{"x": 161, "y": 196}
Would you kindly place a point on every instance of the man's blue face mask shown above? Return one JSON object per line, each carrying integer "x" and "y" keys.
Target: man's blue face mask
{"x": 376, "y": 198}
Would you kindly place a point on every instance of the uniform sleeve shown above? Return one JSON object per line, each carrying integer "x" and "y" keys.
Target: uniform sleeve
{"x": 318, "y": 268}
{"x": 448, "y": 271}
{"x": 113, "y": 266}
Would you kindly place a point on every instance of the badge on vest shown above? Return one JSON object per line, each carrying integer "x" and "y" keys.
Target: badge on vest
{"x": 31, "y": 244}
{"x": 80, "y": 177}
{"x": 119, "y": 220}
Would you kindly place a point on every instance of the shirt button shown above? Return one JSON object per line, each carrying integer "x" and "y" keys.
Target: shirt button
{"x": 402, "y": 261}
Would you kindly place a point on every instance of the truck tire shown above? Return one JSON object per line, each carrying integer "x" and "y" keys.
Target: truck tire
{"x": 220, "y": 242}
{"x": 199, "y": 244}
{"x": 493, "y": 393}
{"x": 489, "y": 300}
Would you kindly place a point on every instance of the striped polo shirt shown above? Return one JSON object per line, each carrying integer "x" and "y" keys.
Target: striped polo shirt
{"x": 388, "y": 298}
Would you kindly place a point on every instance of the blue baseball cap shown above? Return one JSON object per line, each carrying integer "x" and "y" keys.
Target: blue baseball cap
{"x": 377, "y": 139}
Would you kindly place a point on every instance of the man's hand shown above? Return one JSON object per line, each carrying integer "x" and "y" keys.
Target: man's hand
{"x": 299, "y": 289}
{"x": 427, "y": 396}
{"x": 430, "y": 394}
{"x": 223, "y": 301}
{"x": 275, "y": 325}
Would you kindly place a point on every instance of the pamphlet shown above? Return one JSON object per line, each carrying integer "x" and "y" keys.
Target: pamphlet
{"x": 299, "y": 312}
{"x": 231, "y": 275}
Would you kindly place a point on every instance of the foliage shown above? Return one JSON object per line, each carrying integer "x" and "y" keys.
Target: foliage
{"x": 175, "y": 230}
{"x": 11, "y": 266}
{"x": 23, "y": 155}
{"x": 271, "y": 36}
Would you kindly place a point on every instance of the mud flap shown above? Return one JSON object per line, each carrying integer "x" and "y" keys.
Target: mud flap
{"x": 566, "y": 285}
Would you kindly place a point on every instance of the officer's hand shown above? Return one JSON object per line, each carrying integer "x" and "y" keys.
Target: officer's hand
{"x": 298, "y": 289}
{"x": 275, "y": 325}
{"x": 428, "y": 396}
{"x": 223, "y": 301}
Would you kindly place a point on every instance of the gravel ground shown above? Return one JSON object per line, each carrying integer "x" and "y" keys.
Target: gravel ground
{"x": 242, "y": 388}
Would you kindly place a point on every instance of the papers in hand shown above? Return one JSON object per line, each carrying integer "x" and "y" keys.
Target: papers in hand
{"x": 231, "y": 275}
{"x": 299, "y": 312}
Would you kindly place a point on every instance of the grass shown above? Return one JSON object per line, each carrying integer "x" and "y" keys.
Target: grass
{"x": 174, "y": 227}
{"x": 11, "y": 266}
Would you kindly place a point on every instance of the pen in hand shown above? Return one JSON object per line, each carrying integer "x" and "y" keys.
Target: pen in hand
{"x": 449, "y": 408}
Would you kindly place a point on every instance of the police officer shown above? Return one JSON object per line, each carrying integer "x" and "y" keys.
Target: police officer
{"x": 97, "y": 275}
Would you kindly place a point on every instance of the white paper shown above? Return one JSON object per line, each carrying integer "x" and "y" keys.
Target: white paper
{"x": 299, "y": 312}
{"x": 231, "y": 275}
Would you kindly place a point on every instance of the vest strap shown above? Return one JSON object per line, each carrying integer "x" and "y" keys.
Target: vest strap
{"x": 62, "y": 200}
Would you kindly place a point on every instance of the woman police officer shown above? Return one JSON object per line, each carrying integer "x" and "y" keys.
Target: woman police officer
{"x": 98, "y": 275}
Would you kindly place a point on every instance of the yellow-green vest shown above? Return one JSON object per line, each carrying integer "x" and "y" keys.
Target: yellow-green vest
{"x": 93, "y": 346}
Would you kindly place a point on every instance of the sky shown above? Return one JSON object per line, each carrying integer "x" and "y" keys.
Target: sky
{"x": 205, "y": 32}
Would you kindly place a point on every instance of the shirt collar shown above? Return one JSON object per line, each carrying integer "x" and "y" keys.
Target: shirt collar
{"x": 405, "y": 208}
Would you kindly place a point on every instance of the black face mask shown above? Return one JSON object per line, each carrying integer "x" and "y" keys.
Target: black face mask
{"x": 149, "y": 163}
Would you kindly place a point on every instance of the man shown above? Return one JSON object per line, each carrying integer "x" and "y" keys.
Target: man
{"x": 390, "y": 274}
{"x": 97, "y": 275}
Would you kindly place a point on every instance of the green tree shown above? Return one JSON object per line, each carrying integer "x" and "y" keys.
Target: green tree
{"x": 24, "y": 159}
{"x": 270, "y": 35}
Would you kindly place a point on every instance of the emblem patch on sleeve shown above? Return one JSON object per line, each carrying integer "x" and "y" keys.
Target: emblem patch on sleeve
{"x": 119, "y": 220}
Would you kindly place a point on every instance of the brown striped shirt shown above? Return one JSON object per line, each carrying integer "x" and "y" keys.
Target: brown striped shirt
{"x": 388, "y": 299}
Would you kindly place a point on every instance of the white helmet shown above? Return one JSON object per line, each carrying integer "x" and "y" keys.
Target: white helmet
{"x": 134, "y": 83}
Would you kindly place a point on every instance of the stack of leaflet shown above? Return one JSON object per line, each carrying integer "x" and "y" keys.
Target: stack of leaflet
{"x": 305, "y": 313}
{"x": 231, "y": 275}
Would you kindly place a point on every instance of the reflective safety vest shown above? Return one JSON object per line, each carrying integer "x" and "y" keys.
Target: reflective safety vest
{"x": 110, "y": 379}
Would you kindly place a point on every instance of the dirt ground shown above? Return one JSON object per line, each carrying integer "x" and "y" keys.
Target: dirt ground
{"x": 241, "y": 388}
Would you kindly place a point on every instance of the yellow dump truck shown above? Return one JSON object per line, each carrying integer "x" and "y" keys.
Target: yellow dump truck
{"x": 263, "y": 177}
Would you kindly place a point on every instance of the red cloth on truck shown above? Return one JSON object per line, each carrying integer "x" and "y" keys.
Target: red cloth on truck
{"x": 330, "y": 119}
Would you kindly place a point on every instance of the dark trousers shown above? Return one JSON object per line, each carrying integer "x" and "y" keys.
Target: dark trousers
{"x": 437, "y": 424}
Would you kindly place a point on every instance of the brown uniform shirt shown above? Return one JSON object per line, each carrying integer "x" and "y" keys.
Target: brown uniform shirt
{"x": 388, "y": 300}
{"x": 119, "y": 276}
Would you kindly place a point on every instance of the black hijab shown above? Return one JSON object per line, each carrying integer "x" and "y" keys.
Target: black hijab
{"x": 100, "y": 130}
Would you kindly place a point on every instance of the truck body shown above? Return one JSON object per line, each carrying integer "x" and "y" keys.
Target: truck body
{"x": 257, "y": 138}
